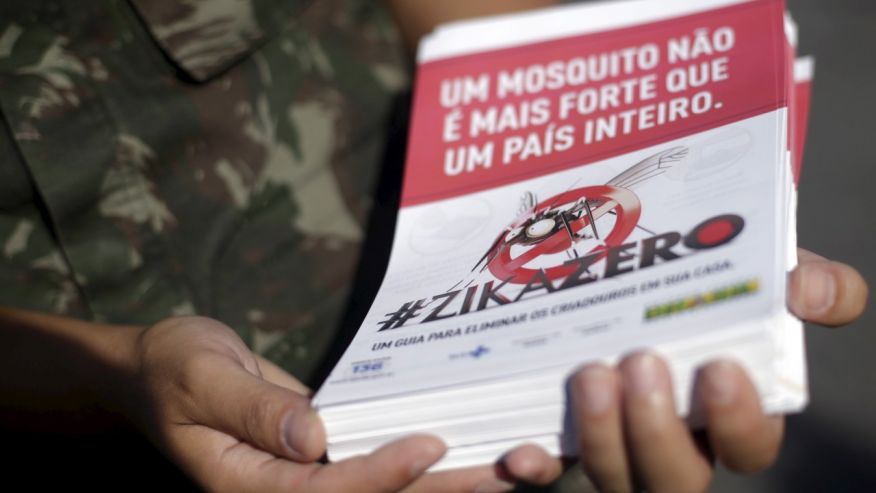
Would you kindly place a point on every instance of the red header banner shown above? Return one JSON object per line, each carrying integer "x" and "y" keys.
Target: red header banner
{"x": 495, "y": 118}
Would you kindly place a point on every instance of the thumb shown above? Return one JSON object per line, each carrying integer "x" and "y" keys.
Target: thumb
{"x": 826, "y": 292}
{"x": 230, "y": 399}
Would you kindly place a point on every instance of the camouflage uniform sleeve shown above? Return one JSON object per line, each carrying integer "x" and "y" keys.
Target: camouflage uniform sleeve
{"x": 197, "y": 156}
{"x": 34, "y": 274}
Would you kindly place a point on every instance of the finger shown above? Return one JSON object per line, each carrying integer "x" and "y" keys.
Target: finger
{"x": 742, "y": 437}
{"x": 527, "y": 463}
{"x": 662, "y": 448}
{"x": 532, "y": 464}
{"x": 220, "y": 462}
{"x": 227, "y": 397}
{"x": 389, "y": 469}
{"x": 484, "y": 479}
{"x": 826, "y": 292}
{"x": 596, "y": 404}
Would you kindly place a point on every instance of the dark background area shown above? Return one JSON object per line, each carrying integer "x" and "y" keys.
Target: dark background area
{"x": 829, "y": 446}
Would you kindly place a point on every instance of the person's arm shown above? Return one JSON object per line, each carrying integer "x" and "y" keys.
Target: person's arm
{"x": 418, "y": 17}
{"x": 230, "y": 419}
{"x": 62, "y": 374}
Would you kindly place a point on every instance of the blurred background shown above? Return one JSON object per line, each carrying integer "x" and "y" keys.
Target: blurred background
{"x": 830, "y": 446}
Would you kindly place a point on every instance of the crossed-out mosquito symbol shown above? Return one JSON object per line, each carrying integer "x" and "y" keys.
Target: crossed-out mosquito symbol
{"x": 560, "y": 223}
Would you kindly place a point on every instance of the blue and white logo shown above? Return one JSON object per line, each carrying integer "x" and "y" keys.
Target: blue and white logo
{"x": 479, "y": 351}
{"x": 476, "y": 353}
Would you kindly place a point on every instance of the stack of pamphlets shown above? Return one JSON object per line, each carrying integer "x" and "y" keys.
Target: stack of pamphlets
{"x": 582, "y": 182}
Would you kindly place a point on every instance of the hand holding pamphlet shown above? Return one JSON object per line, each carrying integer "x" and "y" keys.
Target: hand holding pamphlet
{"x": 582, "y": 182}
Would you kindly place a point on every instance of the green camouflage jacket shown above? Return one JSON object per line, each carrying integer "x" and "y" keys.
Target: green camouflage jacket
{"x": 167, "y": 157}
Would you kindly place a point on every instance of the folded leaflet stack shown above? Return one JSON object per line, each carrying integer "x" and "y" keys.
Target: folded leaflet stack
{"x": 582, "y": 181}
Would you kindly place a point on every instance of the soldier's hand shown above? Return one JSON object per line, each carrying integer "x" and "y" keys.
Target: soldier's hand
{"x": 629, "y": 435}
{"x": 237, "y": 423}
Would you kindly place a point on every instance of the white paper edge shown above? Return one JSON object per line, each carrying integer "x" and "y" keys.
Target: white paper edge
{"x": 506, "y": 31}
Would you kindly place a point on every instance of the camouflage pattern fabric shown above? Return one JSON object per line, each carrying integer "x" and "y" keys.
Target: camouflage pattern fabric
{"x": 168, "y": 157}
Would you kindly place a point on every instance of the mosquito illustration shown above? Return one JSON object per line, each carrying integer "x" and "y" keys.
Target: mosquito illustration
{"x": 576, "y": 220}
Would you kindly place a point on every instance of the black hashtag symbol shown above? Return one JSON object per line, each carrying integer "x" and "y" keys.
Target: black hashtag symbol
{"x": 398, "y": 318}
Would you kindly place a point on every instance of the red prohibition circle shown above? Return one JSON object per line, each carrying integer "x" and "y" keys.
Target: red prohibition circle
{"x": 624, "y": 203}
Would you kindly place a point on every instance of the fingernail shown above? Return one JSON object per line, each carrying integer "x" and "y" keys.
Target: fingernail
{"x": 298, "y": 431}
{"x": 494, "y": 486}
{"x": 720, "y": 385}
{"x": 595, "y": 390}
{"x": 819, "y": 289}
{"x": 645, "y": 377}
{"x": 428, "y": 454}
